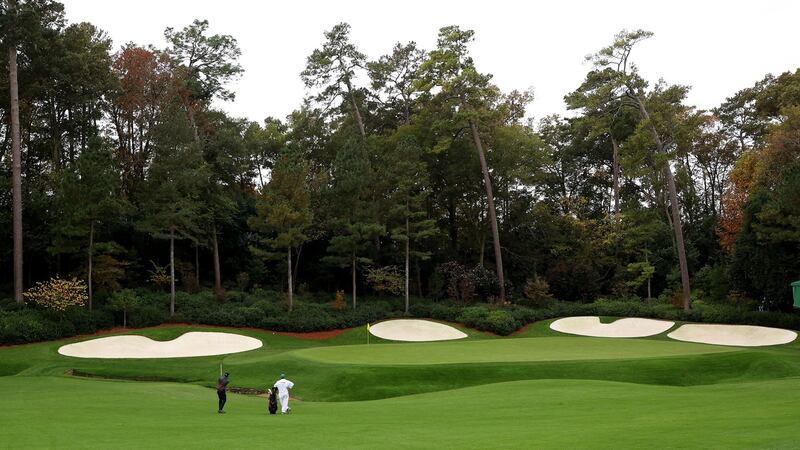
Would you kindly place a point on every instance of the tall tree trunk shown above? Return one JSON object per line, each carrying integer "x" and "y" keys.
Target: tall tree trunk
{"x": 452, "y": 223}
{"x": 217, "y": 271}
{"x": 16, "y": 172}
{"x": 91, "y": 252}
{"x": 297, "y": 263}
{"x": 197, "y": 264}
{"x": 354, "y": 280}
{"x": 615, "y": 170}
{"x": 482, "y": 246}
{"x": 356, "y": 111}
{"x": 289, "y": 272}
{"x": 487, "y": 181}
{"x": 675, "y": 209}
{"x": 217, "y": 275}
{"x": 408, "y": 258}
{"x": 649, "y": 296}
{"x": 419, "y": 277}
{"x": 124, "y": 318}
{"x": 192, "y": 123}
{"x": 676, "y": 224}
{"x": 171, "y": 272}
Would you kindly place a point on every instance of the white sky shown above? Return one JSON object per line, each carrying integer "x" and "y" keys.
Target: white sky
{"x": 717, "y": 47}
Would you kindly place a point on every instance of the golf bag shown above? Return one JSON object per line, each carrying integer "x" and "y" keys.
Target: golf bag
{"x": 272, "y": 402}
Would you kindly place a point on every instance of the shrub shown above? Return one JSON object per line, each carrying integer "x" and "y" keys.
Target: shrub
{"x": 438, "y": 311}
{"x": 473, "y": 316}
{"x": 148, "y": 316}
{"x": 188, "y": 276}
{"x": 159, "y": 276}
{"x": 124, "y": 300}
{"x": 386, "y": 280}
{"x": 26, "y": 326}
{"x": 243, "y": 281}
{"x": 57, "y": 294}
{"x": 460, "y": 286}
{"x": 537, "y": 292}
{"x": 501, "y": 322}
{"x": 338, "y": 301}
{"x": 108, "y": 273}
{"x": 485, "y": 281}
{"x": 264, "y": 309}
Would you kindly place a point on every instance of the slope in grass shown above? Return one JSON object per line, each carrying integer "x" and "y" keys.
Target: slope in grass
{"x": 42, "y": 412}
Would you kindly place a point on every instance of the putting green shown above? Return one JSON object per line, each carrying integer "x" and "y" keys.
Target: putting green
{"x": 506, "y": 350}
{"x": 52, "y": 412}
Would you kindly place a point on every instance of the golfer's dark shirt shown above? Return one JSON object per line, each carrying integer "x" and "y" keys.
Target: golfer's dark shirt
{"x": 222, "y": 383}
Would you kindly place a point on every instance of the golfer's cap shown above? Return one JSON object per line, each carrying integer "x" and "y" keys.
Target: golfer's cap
{"x": 226, "y": 374}
{"x": 283, "y": 375}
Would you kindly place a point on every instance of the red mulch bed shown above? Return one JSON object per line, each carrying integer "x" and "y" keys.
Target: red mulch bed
{"x": 314, "y": 335}
{"x": 521, "y": 330}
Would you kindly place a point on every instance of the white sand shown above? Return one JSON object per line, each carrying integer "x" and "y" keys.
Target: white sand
{"x": 194, "y": 343}
{"x": 738, "y": 335}
{"x": 413, "y": 330}
{"x": 622, "y": 328}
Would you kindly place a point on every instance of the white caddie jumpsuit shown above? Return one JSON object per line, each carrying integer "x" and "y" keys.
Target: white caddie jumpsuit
{"x": 283, "y": 386}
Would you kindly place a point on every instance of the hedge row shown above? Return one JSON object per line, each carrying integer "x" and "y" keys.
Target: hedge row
{"x": 506, "y": 320}
{"x": 267, "y": 310}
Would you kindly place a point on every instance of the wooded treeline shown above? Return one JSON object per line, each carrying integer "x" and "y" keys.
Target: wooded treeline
{"x": 410, "y": 174}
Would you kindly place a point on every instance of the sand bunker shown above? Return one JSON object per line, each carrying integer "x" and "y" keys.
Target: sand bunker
{"x": 622, "y": 328}
{"x": 412, "y": 330}
{"x": 738, "y": 335}
{"x": 194, "y": 343}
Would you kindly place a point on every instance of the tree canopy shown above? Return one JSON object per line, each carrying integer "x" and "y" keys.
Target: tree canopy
{"x": 411, "y": 168}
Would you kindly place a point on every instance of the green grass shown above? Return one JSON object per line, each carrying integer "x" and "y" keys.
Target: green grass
{"x": 59, "y": 413}
{"x": 536, "y": 389}
{"x": 508, "y": 350}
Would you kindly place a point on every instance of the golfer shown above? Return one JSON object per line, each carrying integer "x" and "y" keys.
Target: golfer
{"x": 283, "y": 385}
{"x": 222, "y": 385}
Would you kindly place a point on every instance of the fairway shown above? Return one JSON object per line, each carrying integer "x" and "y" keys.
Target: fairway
{"x": 520, "y": 392}
{"x": 59, "y": 413}
{"x": 507, "y": 350}
{"x": 332, "y": 225}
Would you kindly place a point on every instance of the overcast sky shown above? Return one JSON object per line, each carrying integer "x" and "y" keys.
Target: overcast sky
{"x": 716, "y": 47}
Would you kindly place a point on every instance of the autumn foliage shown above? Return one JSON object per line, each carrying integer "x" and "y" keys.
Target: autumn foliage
{"x": 733, "y": 201}
{"x": 58, "y": 294}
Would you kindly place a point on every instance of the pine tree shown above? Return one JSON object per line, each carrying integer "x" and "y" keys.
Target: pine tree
{"x": 283, "y": 211}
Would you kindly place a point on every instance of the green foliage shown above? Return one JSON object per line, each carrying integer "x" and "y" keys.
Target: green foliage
{"x": 109, "y": 267}
{"x": 243, "y": 281}
{"x": 537, "y": 292}
{"x": 207, "y": 63}
{"x": 460, "y": 285}
{"x": 495, "y": 320}
{"x": 385, "y": 280}
{"x": 642, "y": 271}
{"x": 124, "y": 300}
{"x": 354, "y": 240}
{"x": 171, "y": 204}
{"x": 331, "y": 71}
{"x": 284, "y": 210}
{"x": 764, "y": 262}
{"x": 378, "y": 167}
